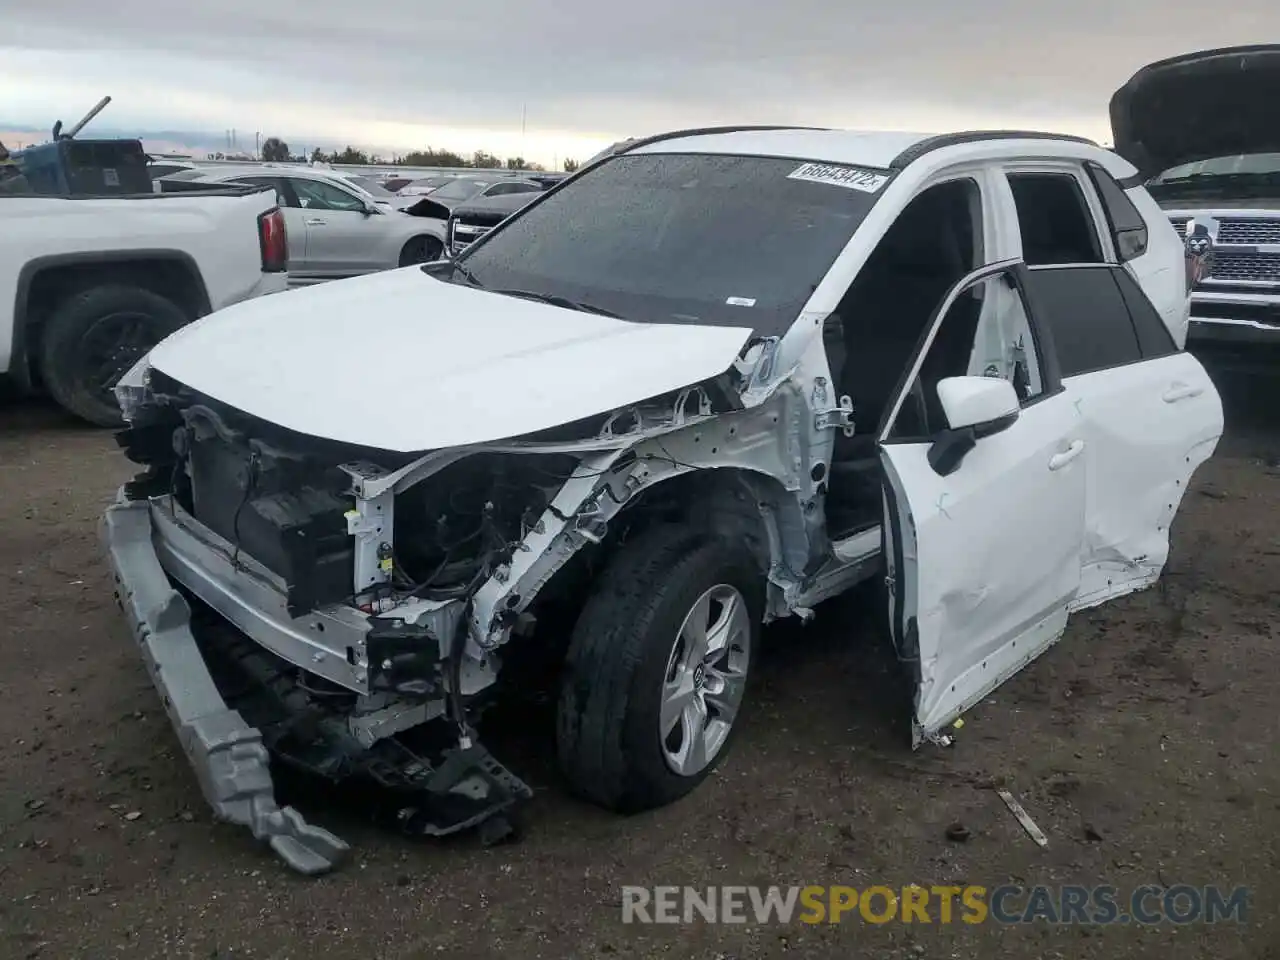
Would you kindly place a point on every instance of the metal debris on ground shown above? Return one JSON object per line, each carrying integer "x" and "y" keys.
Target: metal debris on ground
{"x": 1034, "y": 832}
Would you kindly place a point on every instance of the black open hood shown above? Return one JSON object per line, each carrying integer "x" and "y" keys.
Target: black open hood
{"x": 503, "y": 204}
{"x": 1212, "y": 103}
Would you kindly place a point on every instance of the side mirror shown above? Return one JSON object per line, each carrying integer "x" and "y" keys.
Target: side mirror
{"x": 979, "y": 402}
{"x": 369, "y": 209}
{"x": 975, "y": 407}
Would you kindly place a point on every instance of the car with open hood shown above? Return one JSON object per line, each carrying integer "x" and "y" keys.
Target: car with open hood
{"x": 711, "y": 380}
{"x": 1203, "y": 129}
{"x": 470, "y": 221}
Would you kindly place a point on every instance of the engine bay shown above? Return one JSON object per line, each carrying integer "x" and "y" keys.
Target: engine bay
{"x": 284, "y": 500}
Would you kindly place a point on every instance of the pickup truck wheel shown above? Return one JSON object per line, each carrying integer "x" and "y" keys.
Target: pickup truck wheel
{"x": 92, "y": 339}
{"x": 420, "y": 250}
{"x": 657, "y": 669}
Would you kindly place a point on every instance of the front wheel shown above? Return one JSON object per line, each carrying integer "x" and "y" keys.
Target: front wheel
{"x": 92, "y": 339}
{"x": 656, "y": 674}
{"x": 421, "y": 250}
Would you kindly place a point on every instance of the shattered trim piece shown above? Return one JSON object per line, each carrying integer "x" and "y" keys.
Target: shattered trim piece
{"x": 230, "y": 760}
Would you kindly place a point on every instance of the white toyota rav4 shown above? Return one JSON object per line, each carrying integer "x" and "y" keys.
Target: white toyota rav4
{"x": 713, "y": 379}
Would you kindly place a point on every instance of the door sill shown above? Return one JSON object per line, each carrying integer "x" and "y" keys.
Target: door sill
{"x": 856, "y": 558}
{"x": 857, "y": 545}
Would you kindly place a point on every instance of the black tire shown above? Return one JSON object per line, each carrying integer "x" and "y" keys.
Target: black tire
{"x": 122, "y": 320}
{"x": 421, "y": 250}
{"x": 607, "y": 720}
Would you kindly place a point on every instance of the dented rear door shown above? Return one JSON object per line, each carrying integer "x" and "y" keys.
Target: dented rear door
{"x": 1149, "y": 413}
{"x": 1149, "y": 426}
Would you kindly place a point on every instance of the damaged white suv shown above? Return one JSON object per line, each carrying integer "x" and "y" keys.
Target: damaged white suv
{"x": 713, "y": 379}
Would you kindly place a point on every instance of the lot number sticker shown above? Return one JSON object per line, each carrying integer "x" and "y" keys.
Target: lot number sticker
{"x": 850, "y": 177}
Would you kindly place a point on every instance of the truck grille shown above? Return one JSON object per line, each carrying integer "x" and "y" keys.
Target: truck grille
{"x": 465, "y": 234}
{"x": 467, "y": 228}
{"x": 1246, "y": 232}
{"x": 1250, "y": 231}
{"x": 1258, "y": 267}
{"x": 1241, "y": 265}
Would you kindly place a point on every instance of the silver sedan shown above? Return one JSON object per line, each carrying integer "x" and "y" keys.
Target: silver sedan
{"x": 336, "y": 229}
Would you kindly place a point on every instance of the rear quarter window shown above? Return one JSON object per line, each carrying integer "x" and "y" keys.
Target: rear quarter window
{"x": 1154, "y": 338}
{"x": 1128, "y": 228}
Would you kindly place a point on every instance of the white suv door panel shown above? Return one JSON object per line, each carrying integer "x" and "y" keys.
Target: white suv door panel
{"x": 1150, "y": 415}
{"x": 984, "y": 561}
{"x": 1149, "y": 425}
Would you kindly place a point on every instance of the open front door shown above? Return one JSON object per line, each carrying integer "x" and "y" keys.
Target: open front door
{"x": 984, "y": 460}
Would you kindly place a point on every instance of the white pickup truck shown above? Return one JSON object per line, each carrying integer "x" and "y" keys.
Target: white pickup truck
{"x": 89, "y": 285}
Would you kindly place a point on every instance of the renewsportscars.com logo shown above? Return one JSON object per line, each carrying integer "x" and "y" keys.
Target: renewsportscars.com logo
{"x": 1009, "y": 904}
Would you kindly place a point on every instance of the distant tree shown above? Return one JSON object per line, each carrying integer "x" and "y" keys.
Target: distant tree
{"x": 570, "y": 166}
{"x": 537, "y": 167}
{"x": 485, "y": 161}
{"x": 317, "y": 155}
{"x": 434, "y": 158}
{"x": 349, "y": 154}
{"x": 274, "y": 150}
{"x": 516, "y": 163}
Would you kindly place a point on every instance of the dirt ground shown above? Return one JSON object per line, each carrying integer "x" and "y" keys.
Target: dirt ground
{"x": 1144, "y": 745}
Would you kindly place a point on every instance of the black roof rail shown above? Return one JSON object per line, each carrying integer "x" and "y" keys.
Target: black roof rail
{"x": 916, "y": 151}
{"x": 627, "y": 146}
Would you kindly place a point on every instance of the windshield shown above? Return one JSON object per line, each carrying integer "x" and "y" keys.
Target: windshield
{"x": 1247, "y": 164}
{"x": 370, "y": 186}
{"x": 679, "y": 238}
{"x": 459, "y": 189}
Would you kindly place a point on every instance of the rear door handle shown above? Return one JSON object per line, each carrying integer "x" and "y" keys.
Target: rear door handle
{"x": 316, "y": 223}
{"x": 1181, "y": 391}
{"x": 1060, "y": 460}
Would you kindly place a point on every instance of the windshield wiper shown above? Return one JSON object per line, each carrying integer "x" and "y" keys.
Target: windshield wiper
{"x": 1264, "y": 176}
{"x": 463, "y": 269}
{"x": 558, "y": 301}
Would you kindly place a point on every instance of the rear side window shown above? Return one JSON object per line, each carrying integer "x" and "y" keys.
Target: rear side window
{"x": 1087, "y": 317}
{"x": 1128, "y": 229}
{"x": 1054, "y": 219}
{"x": 1154, "y": 338}
{"x": 282, "y": 199}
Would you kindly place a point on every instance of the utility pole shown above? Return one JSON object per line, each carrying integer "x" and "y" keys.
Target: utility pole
{"x": 257, "y": 150}
{"x": 524, "y": 114}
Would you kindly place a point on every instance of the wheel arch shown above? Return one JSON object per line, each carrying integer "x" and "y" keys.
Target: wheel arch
{"x": 421, "y": 235}
{"x": 44, "y": 282}
{"x": 736, "y": 502}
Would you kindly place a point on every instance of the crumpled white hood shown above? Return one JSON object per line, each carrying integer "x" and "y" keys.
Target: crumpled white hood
{"x": 401, "y": 361}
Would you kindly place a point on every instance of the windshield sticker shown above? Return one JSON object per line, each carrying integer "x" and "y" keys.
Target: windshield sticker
{"x": 837, "y": 176}
{"x": 741, "y": 301}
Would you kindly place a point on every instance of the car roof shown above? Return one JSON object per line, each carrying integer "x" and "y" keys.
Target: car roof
{"x": 268, "y": 170}
{"x": 880, "y": 149}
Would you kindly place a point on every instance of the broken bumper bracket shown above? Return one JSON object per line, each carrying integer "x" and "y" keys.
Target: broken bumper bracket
{"x": 228, "y": 755}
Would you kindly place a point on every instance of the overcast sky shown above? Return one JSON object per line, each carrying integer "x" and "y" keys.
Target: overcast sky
{"x": 407, "y": 73}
